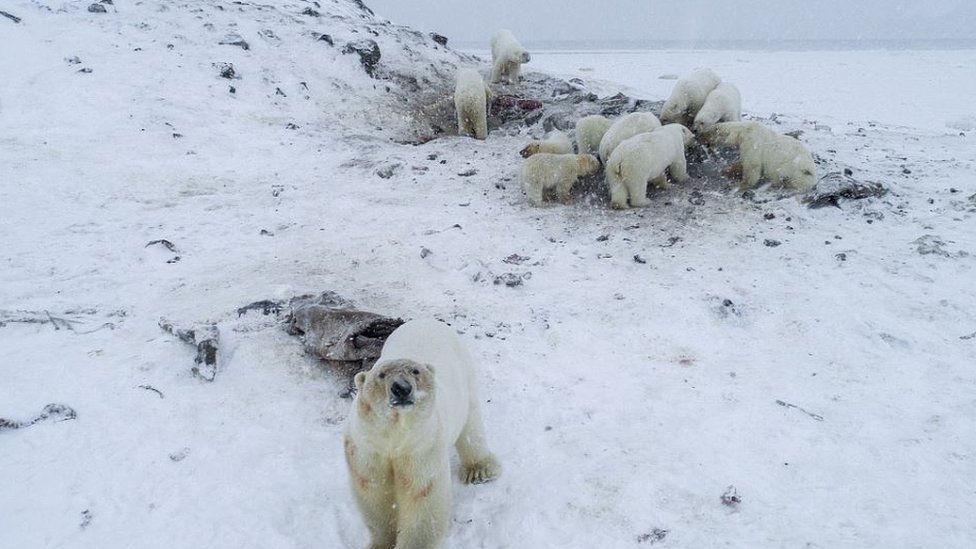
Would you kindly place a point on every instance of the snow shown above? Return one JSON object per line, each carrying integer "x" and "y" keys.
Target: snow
{"x": 622, "y": 397}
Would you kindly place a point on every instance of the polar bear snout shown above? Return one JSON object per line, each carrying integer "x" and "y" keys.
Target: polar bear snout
{"x": 401, "y": 392}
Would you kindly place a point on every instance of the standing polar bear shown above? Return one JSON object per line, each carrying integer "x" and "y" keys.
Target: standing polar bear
{"x": 507, "y": 56}
{"x": 470, "y": 103}
{"x": 556, "y": 143}
{"x": 542, "y": 172}
{"x": 626, "y": 127}
{"x": 589, "y": 131}
{"x": 723, "y": 104}
{"x": 643, "y": 158}
{"x": 688, "y": 96}
{"x": 783, "y": 160}
{"x": 417, "y": 401}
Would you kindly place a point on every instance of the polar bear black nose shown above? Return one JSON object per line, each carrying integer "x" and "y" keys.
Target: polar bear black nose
{"x": 401, "y": 389}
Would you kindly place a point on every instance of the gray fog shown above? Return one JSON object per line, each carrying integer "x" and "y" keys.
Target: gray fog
{"x": 471, "y": 21}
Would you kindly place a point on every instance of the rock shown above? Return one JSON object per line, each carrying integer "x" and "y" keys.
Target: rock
{"x": 226, "y": 70}
{"x": 368, "y": 51}
{"x": 97, "y": 8}
{"x": 438, "y": 38}
{"x": 235, "y": 40}
{"x": 10, "y": 16}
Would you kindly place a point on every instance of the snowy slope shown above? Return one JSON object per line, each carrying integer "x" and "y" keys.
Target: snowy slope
{"x": 630, "y": 378}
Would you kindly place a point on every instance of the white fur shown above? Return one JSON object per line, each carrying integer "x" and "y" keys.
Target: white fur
{"x": 626, "y": 127}
{"x": 589, "y": 131}
{"x": 555, "y": 143}
{"x": 723, "y": 104}
{"x": 507, "y": 56}
{"x": 544, "y": 171}
{"x": 399, "y": 455}
{"x": 781, "y": 159}
{"x": 688, "y": 96}
{"x": 470, "y": 104}
{"x": 643, "y": 158}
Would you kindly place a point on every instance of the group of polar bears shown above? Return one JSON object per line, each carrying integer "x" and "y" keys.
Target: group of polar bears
{"x": 420, "y": 398}
{"x": 639, "y": 148}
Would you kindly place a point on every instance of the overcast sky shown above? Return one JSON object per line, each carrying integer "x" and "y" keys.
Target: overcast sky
{"x": 474, "y": 21}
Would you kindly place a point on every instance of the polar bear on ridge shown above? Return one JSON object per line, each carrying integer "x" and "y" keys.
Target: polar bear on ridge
{"x": 507, "y": 56}
{"x": 470, "y": 104}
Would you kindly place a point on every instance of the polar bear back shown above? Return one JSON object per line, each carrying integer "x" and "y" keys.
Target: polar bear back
{"x": 688, "y": 96}
{"x": 626, "y": 127}
{"x": 589, "y": 132}
{"x": 723, "y": 104}
{"x": 436, "y": 344}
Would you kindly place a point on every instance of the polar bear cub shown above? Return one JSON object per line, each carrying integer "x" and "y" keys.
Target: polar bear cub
{"x": 688, "y": 96}
{"x": 626, "y": 127}
{"x": 643, "y": 158}
{"x": 542, "y": 172}
{"x": 555, "y": 143}
{"x": 589, "y": 131}
{"x": 723, "y": 104}
{"x": 783, "y": 160}
{"x": 418, "y": 400}
{"x": 507, "y": 56}
{"x": 470, "y": 104}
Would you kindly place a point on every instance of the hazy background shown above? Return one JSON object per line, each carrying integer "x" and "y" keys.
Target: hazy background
{"x": 473, "y": 22}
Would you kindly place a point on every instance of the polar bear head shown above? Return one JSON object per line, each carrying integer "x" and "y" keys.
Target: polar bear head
{"x": 587, "y": 164}
{"x": 395, "y": 387}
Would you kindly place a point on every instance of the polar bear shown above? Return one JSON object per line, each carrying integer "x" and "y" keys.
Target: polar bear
{"x": 545, "y": 171}
{"x": 507, "y": 56}
{"x": 418, "y": 400}
{"x": 556, "y": 143}
{"x": 643, "y": 158}
{"x": 688, "y": 96}
{"x": 723, "y": 104}
{"x": 470, "y": 104}
{"x": 781, "y": 159}
{"x": 626, "y": 127}
{"x": 589, "y": 131}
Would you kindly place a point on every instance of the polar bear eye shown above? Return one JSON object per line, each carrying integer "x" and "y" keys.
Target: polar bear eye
{"x": 415, "y": 372}
{"x": 382, "y": 375}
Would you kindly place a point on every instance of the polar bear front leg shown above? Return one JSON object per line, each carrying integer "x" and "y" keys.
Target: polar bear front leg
{"x": 679, "y": 169}
{"x": 478, "y": 464}
{"x": 563, "y": 189}
{"x": 375, "y": 497}
{"x": 424, "y": 508}
{"x": 751, "y": 172}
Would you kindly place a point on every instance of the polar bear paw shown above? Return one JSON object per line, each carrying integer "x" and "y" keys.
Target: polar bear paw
{"x": 481, "y": 471}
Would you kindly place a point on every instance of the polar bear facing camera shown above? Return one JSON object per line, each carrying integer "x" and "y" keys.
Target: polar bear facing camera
{"x": 643, "y": 158}
{"x": 688, "y": 96}
{"x": 544, "y": 172}
{"x": 507, "y": 56}
{"x": 470, "y": 104}
{"x": 626, "y": 127}
{"x": 555, "y": 143}
{"x": 723, "y": 104}
{"x": 418, "y": 400}
{"x": 781, "y": 159}
{"x": 589, "y": 131}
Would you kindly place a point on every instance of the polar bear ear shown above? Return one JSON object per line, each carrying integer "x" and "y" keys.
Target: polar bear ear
{"x": 359, "y": 380}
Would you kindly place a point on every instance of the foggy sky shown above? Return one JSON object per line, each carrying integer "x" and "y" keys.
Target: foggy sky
{"x": 476, "y": 20}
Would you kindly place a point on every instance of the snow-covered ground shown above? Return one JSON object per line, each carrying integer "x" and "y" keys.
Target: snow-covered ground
{"x": 630, "y": 379}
